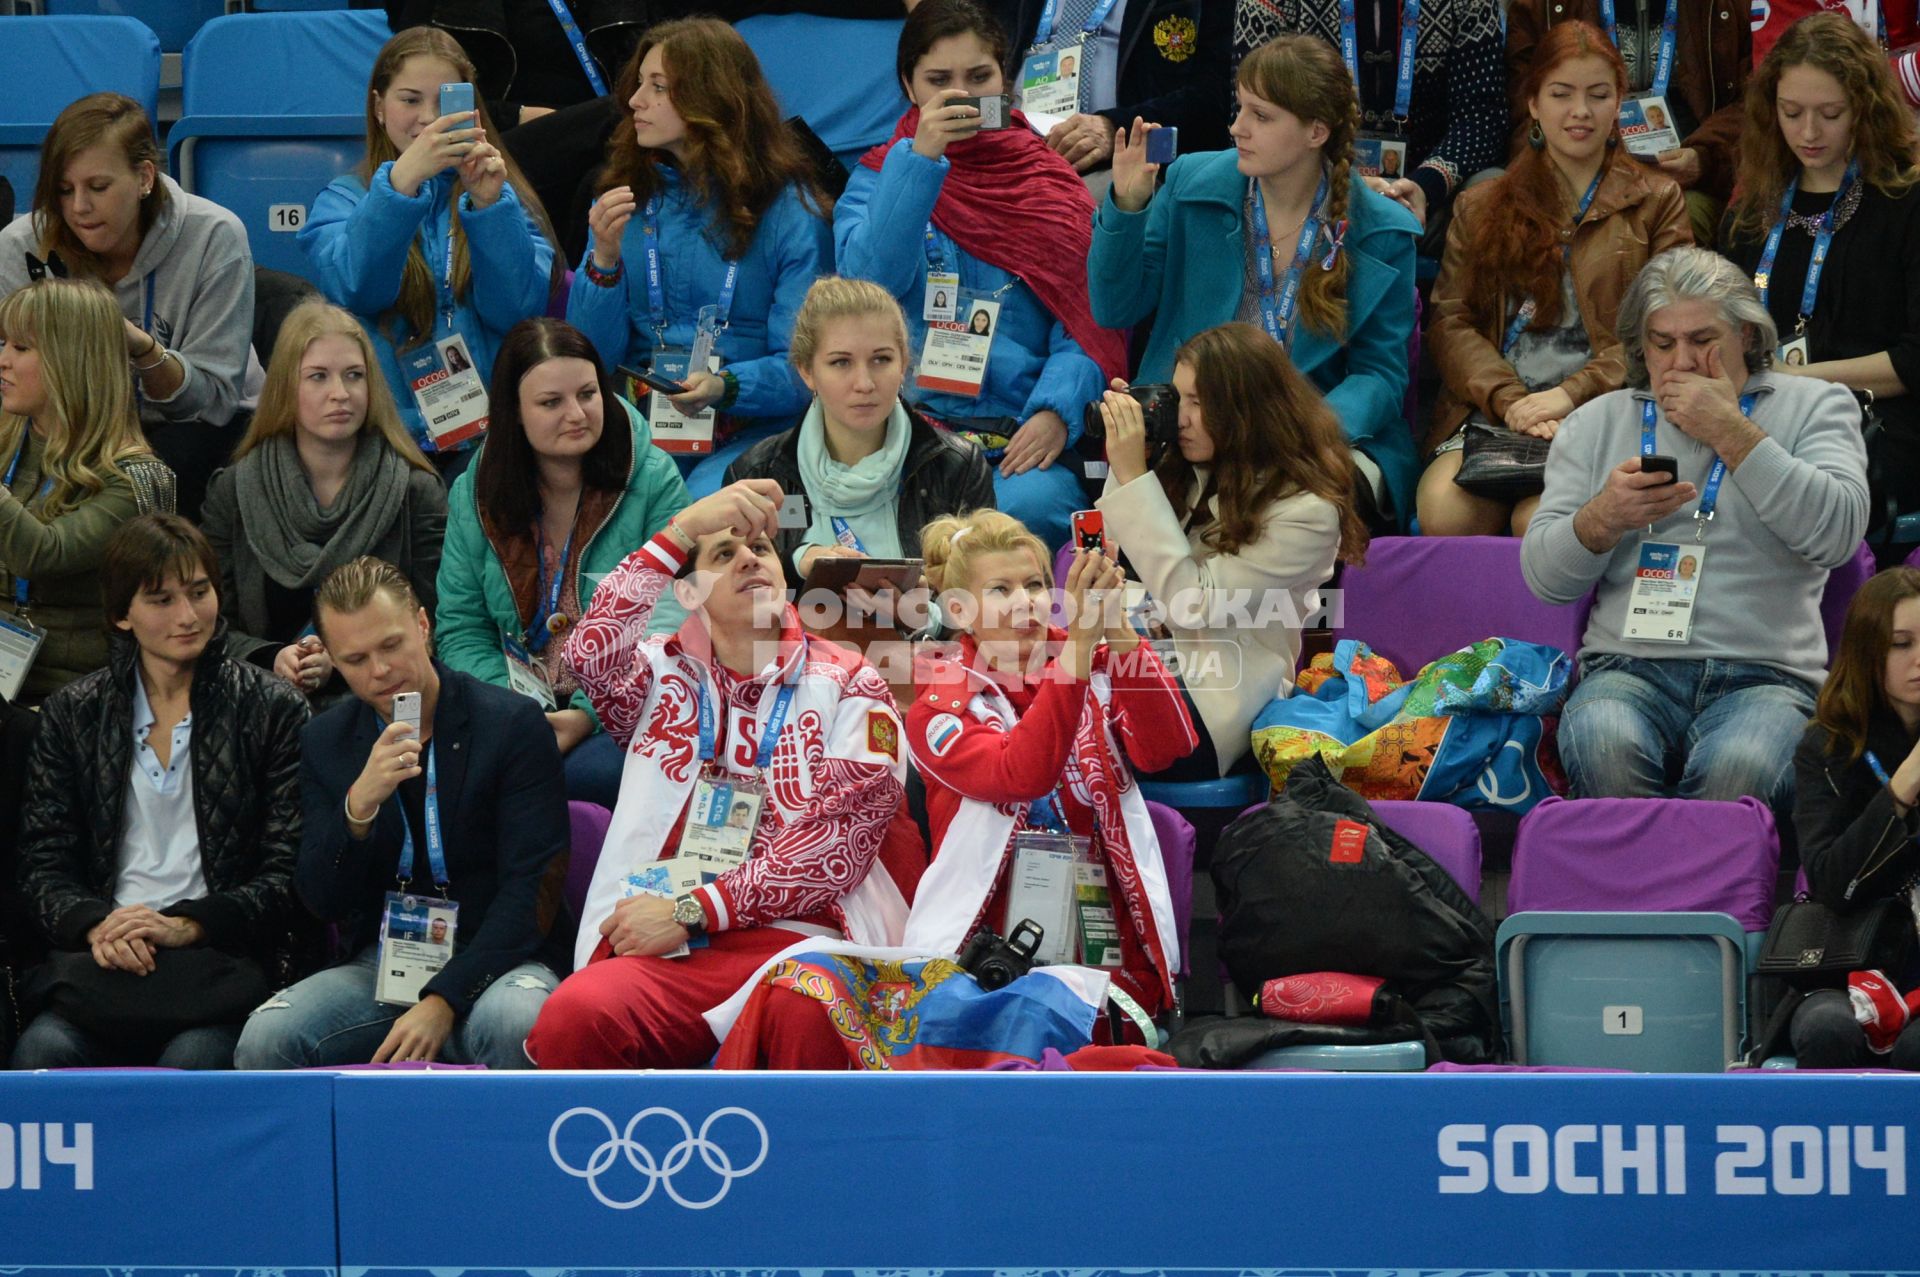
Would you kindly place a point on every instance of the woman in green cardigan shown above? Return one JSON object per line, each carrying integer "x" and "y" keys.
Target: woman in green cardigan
{"x": 73, "y": 467}
{"x": 560, "y": 495}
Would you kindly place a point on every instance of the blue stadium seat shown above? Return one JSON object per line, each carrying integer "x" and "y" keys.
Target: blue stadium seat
{"x": 174, "y": 21}
{"x": 1373, "y": 1057}
{"x": 293, "y": 6}
{"x": 273, "y": 108}
{"x": 70, "y": 57}
{"x": 850, "y": 112}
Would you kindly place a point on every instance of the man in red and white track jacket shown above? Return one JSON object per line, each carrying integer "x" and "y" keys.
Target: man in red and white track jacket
{"x": 835, "y": 852}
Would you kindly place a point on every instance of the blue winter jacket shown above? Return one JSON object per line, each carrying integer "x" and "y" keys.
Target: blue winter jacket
{"x": 791, "y": 248}
{"x": 357, "y": 239}
{"x": 1184, "y": 257}
{"x": 879, "y": 232}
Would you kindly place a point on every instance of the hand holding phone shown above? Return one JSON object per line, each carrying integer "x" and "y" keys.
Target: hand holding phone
{"x": 1163, "y": 145}
{"x": 1657, "y": 464}
{"x": 664, "y": 385}
{"x": 457, "y": 98}
{"x": 1090, "y": 532}
{"x": 994, "y": 112}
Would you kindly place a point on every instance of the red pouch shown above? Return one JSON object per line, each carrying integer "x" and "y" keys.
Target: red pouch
{"x": 1320, "y": 997}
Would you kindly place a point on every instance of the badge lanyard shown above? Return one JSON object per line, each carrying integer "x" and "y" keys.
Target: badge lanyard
{"x": 1051, "y": 14}
{"x": 769, "y": 737}
{"x": 1669, "y": 40}
{"x": 936, "y": 259}
{"x": 1276, "y": 311}
{"x": 1529, "y": 307}
{"x": 1710, "y": 494}
{"x": 20, "y": 583}
{"x": 656, "y": 295}
{"x": 1879, "y": 774}
{"x": 446, "y": 283}
{"x": 1822, "y": 244}
{"x": 579, "y": 43}
{"x": 541, "y": 628}
{"x": 1403, "y": 72}
{"x": 146, "y": 326}
{"x": 436, "y": 845}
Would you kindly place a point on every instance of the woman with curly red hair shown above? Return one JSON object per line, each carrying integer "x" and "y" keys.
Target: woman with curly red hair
{"x": 706, "y": 236}
{"x": 1535, "y": 267}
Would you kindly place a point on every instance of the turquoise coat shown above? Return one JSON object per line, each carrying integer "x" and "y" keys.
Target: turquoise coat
{"x": 1182, "y": 260}
{"x": 476, "y": 602}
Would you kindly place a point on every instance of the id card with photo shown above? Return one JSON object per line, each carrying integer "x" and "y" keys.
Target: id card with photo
{"x": 953, "y": 358}
{"x": 525, "y": 674}
{"x": 1382, "y": 157}
{"x": 942, "y": 305}
{"x": 20, "y": 641}
{"x": 448, "y": 391}
{"x": 1666, "y": 586}
{"x": 1646, "y": 127}
{"x": 666, "y": 880}
{"x": 416, "y": 942}
{"x": 1793, "y": 352}
{"x": 720, "y": 822}
{"x": 673, "y": 430}
{"x": 1050, "y": 82}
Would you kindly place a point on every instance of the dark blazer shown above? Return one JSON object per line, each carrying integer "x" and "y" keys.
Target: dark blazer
{"x": 245, "y": 755}
{"x": 1175, "y": 63}
{"x": 942, "y": 474}
{"x": 503, "y": 806}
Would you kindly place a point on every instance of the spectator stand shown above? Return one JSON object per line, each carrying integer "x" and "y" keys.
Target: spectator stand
{"x": 274, "y": 108}
{"x": 71, "y": 57}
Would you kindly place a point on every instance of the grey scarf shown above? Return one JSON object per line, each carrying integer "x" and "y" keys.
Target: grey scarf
{"x": 293, "y": 540}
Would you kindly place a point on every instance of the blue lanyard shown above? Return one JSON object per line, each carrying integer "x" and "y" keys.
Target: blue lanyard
{"x": 1669, "y": 40}
{"x": 769, "y": 737}
{"x": 1529, "y": 307}
{"x": 1822, "y": 245}
{"x": 936, "y": 257}
{"x": 537, "y": 631}
{"x": 1879, "y": 772}
{"x": 656, "y": 296}
{"x": 1051, "y": 14}
{"x": 436, "y": 845}
{"x": 146, "y": 326}
{"x": 446, "y": 282}
{"x": 20, "y": 583}
{"x": 1710, "y": 494}
{"x": 1403, "y": 72}
{"x": 579, "y": 43}
{"x": 1276, "y": 311}
{"x": 843, "y": 533}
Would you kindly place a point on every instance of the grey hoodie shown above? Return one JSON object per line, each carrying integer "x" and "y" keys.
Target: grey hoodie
{"x": 196, "y": 255}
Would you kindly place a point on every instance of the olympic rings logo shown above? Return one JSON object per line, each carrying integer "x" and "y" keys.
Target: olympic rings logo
{"x": 658, "y": 1172}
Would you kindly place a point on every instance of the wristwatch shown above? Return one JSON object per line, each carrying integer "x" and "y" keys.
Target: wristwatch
{"x": 690, "y": 913}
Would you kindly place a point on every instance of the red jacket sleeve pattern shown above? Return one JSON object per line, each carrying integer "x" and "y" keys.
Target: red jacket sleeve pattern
{"x": 845, "y": 786}
{"x": 978, "y": 760}
{"x": 603, "y": 650}
{"x": 1150, "y": 716}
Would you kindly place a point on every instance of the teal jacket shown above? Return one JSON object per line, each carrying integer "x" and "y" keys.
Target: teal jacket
{"x": 1182, "y": 260}
{"x": 476, "y": 602}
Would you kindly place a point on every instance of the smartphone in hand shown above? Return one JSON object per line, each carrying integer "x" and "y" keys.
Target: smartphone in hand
{"x": 1163, "y": 145}
{"x": 455, "y": 98}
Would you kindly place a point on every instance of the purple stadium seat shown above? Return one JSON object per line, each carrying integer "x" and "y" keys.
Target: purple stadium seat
{"x": 1419, "y": 598}
{"x": 1842, "y": 584}
{"x": 590, "y": 821}
{"x": 1176, "y": 853}
{"x": 1445, "y": 832}
{"x": 1647, "y": 855}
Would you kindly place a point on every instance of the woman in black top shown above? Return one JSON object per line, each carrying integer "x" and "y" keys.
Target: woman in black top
{"x": 1857, "y": 786}
{"x": 1830, "y": 140}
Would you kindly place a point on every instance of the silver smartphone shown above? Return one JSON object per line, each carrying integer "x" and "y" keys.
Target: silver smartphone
{"x": 406, "y": 709}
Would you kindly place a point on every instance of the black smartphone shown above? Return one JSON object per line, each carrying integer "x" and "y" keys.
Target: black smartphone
{"x": 647, "y": 379}
{"x": 1660, "y": 465}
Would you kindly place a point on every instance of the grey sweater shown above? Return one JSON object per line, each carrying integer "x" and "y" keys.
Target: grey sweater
{"x": 1793, "y": 510}
{"x": 202, "y": 272}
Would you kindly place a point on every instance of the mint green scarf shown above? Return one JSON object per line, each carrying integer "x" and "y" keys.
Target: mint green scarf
{"x": 865, "y": 494}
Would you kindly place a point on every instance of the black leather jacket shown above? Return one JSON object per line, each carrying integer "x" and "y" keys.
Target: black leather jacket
{"x": 1850, "y": 834}
{"x": 246, "y": 798}
{"x": 942, "y": 474}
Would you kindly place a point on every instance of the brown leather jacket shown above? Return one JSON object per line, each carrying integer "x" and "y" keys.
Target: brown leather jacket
{"x": 1711, "y": 60}
{"x": 1636, "y": 213}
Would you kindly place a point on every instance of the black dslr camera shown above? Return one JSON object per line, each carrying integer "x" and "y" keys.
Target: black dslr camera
{"x": 1159, "y": 403}
{"x": 997, "y": 963}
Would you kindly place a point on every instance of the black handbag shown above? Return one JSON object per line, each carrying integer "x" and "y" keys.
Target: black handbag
{"x": 1811, "y": 946}
{"x": 187, "y": 989}
{"x": 1502, "y": 464}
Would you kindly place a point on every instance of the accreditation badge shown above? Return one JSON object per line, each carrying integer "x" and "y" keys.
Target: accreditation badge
{"x": 1666, "y": 588}
{"x": 953, "y": 358}
{"x": 448, "y": 391}
{"x": 673, "y": 430}
{"x": 416, "y": 942}
{"x": 721, "y": 820}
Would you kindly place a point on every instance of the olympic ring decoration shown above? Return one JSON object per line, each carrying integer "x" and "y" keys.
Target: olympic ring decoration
{"x": 658, "y": 1172}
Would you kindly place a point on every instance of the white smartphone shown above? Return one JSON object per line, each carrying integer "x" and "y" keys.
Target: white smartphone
{"x": 406, "y": 709}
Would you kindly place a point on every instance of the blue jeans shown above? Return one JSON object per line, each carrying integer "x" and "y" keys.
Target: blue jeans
{"x": 331, "y": 1018}
{"x": 593, "y": 770}
{"x": 1709, "y": 729}
{"x": 52, "y": 1042}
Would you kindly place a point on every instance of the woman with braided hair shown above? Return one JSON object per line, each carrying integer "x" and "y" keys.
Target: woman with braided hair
{"x": 1310, "y": 254}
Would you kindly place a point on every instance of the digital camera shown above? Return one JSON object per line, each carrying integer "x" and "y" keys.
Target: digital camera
{"x": 1159, "y": 402}
{"x": 996, "y": 963}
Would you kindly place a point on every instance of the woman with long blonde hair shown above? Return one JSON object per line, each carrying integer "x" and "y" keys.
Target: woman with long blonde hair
{"x": 76, "y": 468}
{"x": 437, "y": 243}
{"x": 1827, "y": 170}
{"x": 1315, "y": 258}
{"x": 326, "y": 473}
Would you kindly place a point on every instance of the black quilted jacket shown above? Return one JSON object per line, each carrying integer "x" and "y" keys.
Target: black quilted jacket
{"x": 246, "y": 797}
